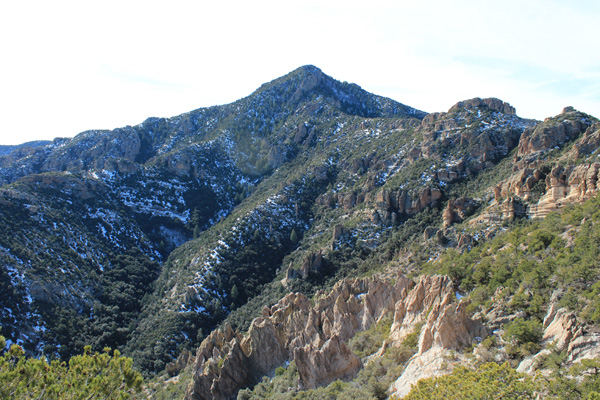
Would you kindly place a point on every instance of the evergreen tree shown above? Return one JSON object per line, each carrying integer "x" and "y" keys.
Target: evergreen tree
{"x": 294, "y": 236}
{"x": 87, "y": 376}
{"x": 490, "y": 381}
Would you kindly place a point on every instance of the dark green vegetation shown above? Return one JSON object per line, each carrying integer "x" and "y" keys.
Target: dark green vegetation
{"x": 489, "y": 381}
{"x": 529, "y": 263}
{"x": 87, "y": 376}
{"x": 146, "y": 238}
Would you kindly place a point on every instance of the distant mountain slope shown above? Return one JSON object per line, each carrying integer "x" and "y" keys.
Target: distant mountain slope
{"x": 5, "y": 150}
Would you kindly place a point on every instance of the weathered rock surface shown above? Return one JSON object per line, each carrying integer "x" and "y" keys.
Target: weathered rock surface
{"x": 389, "y": 205}
{"x": 457, "y": 210}
{"x": 492, "y": 103}
{"x": 316, "y": 337}
{"x": 553, "y": 132}
{"x": 586, "y": 346}
{"x": 513, "y": 197}
{"x": 477, "y": 131}
{"x": 562, "y": 329}
{"x": 519, "y": 184}
{"x": 588, "y": 144}
{"x": 446, "y": 327}
{"x": 386, "y": 206}
{"x": 567, "y": 185}
{"x": 313, "y": 261}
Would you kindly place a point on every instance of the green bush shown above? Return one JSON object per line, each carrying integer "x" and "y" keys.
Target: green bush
{"x": 523, "y": 337}
{"x": 86, "y": 376}
{"x": 368, "y": 342}
{"x": 490, "y": 381}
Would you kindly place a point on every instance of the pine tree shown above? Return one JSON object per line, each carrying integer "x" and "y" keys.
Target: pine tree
{"x": 87, "y": 376}
{"x": 294, "y": 236}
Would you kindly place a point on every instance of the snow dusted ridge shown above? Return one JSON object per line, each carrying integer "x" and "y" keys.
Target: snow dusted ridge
{"x": 281, "y": 207}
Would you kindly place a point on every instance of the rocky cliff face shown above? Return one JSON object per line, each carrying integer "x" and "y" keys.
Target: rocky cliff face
{"x": 545, "y": 180}
{"x": 567, "y": 185}
{"x": 476, "y": 132}
{"x": 561, "y": 186}
{"x": 552, "y": 133}
{"x": 316, "y": 336}
{"x": 445, "y": 327}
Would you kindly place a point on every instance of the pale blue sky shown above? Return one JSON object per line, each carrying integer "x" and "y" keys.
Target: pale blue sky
{"x": 68, "y": 66}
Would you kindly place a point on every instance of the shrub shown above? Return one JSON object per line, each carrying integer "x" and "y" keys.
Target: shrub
{"x": 89, "y": 376}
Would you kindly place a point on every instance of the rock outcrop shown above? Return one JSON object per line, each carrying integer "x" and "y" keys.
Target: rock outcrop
{"x": 316, "y": 337}
{"x": 446, "y": 327}
{"x": 313, "y": 261}
{"x": 567, "y": 185}
{"x": 477, "y": 132}
{"x": 560, "y": 327}
{"x": 562, "y": 330}
{"x": 519, "y": 184}
{"x": 388, "y": 206}
{"x": 457, "y": 210}
{"x": 492, "y": 103}
{"x": 514, "y": 197}
{"x": 550, "y": 134}
{"x": 588, "y": 144}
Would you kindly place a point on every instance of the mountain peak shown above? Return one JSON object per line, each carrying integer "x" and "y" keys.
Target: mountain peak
{"x": 309, "y": 82}
{"x": 308, "y": 69}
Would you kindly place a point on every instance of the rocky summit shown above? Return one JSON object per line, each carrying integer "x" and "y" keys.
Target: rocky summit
{"x": 312, "y": 240}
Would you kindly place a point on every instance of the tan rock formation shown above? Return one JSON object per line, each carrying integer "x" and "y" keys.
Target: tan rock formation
{"x": 587, "y": 144}
{"x": 563, "y": 186}
{"x": 567, "y": 185}
{"x": 519, "y": 184}
{"x": 492, "y": 103}
{"x": 338, "y": 232}
{"x": 314, "y": 363}
{"x": 314, "y": 336}
{"x": 312, "y": 261}
{"x": 173, "y": 368}
{"x": 562, "y": 329}
{"x": 586, "y": 346}
{"x": 548, "y": 135}
{"x": 446, "y": 327}
{"x": 430, "y": 232}
{"x": 457, "y": 210}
